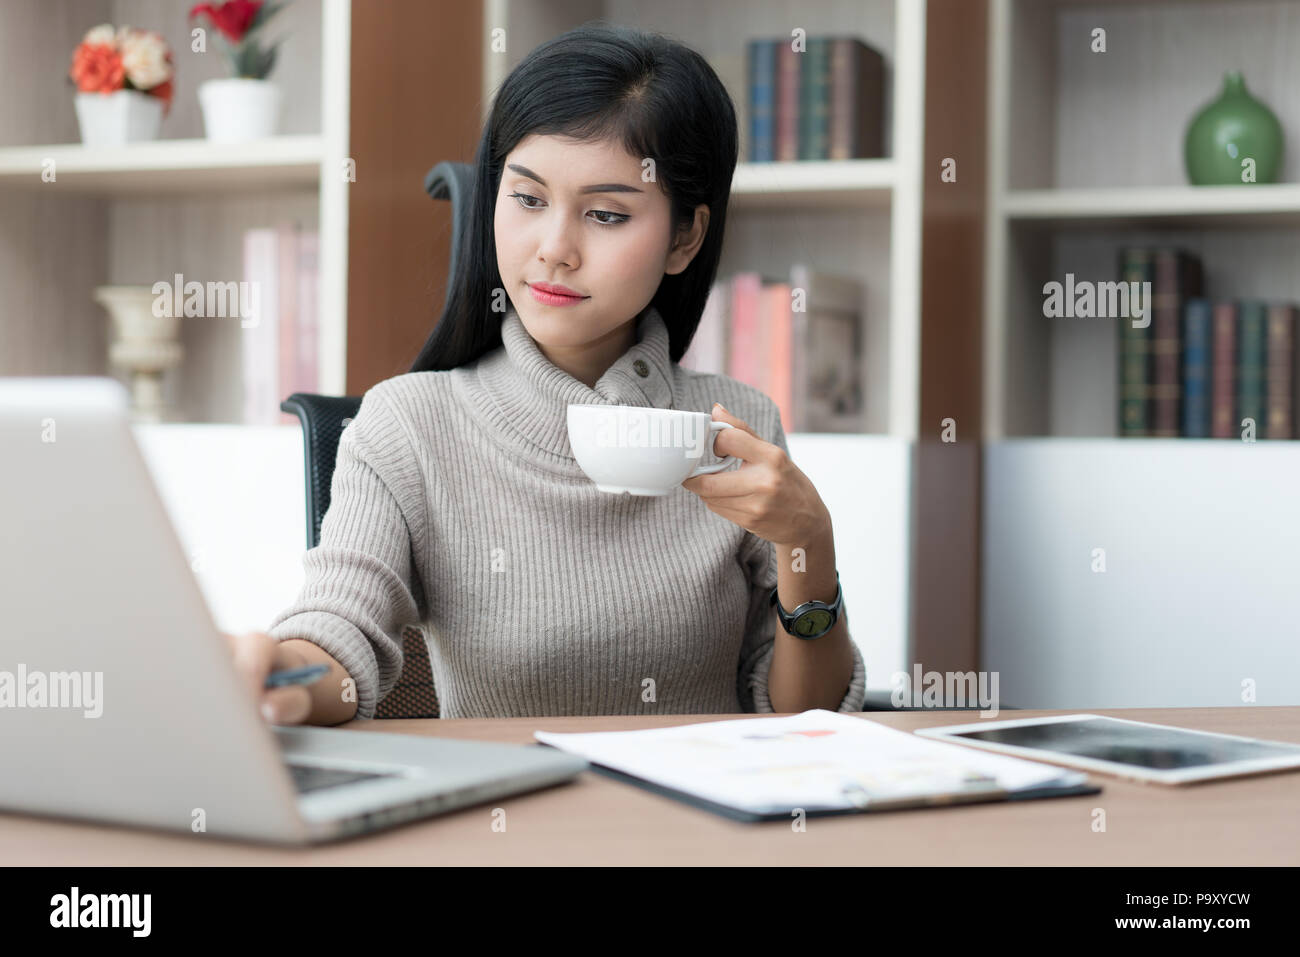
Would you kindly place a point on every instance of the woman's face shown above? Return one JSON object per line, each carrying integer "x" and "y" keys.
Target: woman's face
{"x": 611, "y": 244}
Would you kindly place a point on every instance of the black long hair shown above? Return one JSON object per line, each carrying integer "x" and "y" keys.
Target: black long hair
{"x": 657, "y": 97}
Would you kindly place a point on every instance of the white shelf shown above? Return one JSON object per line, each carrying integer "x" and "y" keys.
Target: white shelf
{"x": 1254, "y": 204}
{"x": 192, "y": 166}
{"x": 833, "y": 184}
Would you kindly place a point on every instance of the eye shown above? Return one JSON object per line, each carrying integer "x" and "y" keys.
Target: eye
{"x": 617, "y": 219}
{"x": 523, "y": 196}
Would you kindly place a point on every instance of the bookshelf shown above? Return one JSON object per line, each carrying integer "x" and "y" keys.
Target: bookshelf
{"x": 167, "y": 166}
{"x": 859, "y": 218}
{"x": 864, "y": 184}
{"x": 1186, "y": 207}
{"x": 132, "y": 214}
{"x": 1085, "y": 156}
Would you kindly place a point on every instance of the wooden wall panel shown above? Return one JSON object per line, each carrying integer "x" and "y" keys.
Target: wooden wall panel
{"x": 946, "y": 536}
{"x": 415, "y": 101}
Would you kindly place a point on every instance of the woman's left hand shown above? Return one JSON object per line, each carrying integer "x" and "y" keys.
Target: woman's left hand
{"x": 767, "y": 495}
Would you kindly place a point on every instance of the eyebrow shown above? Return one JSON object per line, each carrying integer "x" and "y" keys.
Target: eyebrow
{"x": 597, "y": 188}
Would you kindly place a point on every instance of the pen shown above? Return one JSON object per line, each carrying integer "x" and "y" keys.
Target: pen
{"x": 296, "y": 676}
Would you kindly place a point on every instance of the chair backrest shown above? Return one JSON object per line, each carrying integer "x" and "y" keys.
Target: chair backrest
{"x": 455, "y": 182}
{"x": 323, "y": 419}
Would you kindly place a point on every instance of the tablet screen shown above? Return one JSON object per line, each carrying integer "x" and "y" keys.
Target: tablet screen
{"x": 1147, "y": 746}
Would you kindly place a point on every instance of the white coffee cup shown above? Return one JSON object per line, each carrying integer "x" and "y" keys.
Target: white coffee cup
{"x": 642, "y": 451}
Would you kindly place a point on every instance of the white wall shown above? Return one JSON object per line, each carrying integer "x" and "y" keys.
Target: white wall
{"x": 1201, "y": 588}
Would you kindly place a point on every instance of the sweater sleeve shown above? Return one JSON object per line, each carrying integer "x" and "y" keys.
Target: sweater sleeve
{"x": 758, "y": 558}
{"x": 359, "y": 591}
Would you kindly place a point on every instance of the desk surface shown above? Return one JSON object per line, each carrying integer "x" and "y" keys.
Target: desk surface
{"x": 594, "y": 820}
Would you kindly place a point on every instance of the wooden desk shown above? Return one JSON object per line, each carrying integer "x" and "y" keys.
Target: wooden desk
{"x": 593, "y": 820}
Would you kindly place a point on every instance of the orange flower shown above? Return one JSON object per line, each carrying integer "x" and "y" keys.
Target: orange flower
{"x": 97, "y": 68}
{"x": 164, "y": 92}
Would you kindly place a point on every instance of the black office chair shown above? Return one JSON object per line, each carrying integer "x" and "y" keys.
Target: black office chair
{"x": 323, "y": 419}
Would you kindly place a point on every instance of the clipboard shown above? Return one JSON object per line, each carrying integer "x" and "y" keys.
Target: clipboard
{"x": 973, "y": 796}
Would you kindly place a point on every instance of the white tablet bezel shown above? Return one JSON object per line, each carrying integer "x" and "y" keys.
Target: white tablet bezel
{"x": 1231, "y": 769}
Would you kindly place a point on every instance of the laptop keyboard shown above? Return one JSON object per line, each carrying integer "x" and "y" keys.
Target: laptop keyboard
{"x": 307, "y": 777}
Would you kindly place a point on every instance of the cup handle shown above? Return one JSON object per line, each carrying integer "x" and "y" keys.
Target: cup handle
{"x": 714, "y": 429}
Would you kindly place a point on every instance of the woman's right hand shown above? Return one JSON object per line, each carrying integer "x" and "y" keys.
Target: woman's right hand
{"x": 257, "y": 654}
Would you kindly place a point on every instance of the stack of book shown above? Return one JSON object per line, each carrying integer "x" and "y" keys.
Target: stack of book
{"x": 1204, "y": 368}
{"x": 824, "y": 102}
{"x": 279, "y": 345}
{"x": 795, "y": 340}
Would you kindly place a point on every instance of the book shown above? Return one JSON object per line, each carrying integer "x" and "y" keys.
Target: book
{"x": 260, "y": 341}
{"x": 857, "y": 100}
{"x": 746, "y": 362}
{"x": 778, "y": 323}
{"x": 280, "y": 345}
{"x": 1223, "y": 372}
{"x": 710, "y": 344}
{"x": 1252, "y": 363}
{"x": 826, "y": 354}
{"x": 1177, "y": 278}
{"x": 1136, "y": 265}
{"x": 1197, "y": 336}
{"x": 815, "y": 100}
{"x": 308, "y": 339}
{"x": 762, "y": 100}
{"x": 817, "y": 763}
{"x": 1280, "y": 373}
{"x": 789, "y": 65}
{"x": 287, "y": 318}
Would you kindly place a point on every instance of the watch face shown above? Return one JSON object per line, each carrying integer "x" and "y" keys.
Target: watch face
{"x": 812, "y": 622}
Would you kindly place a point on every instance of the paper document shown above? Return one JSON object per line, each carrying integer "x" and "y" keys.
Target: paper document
{"x": 817, "y": 760}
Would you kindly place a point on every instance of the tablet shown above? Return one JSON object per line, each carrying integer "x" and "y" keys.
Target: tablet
{"x": 1128, "y": 749}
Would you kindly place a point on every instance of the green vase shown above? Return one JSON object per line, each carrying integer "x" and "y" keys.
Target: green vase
{"x": 1233, "y": 128}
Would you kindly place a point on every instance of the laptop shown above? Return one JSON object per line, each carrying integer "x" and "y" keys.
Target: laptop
{"x": 119, "y": 698}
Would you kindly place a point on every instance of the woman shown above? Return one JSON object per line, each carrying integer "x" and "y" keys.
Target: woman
{"x": 601, "y": 189}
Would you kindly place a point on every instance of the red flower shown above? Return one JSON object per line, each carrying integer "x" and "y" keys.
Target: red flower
{"x": 232, "y": 18}
{"x": 97, "y": 68}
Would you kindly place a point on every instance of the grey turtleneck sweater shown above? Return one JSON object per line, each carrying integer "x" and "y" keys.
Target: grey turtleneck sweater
{"x": 457, "y": 505}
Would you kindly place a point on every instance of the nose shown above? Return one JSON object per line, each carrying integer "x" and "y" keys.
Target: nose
{"x": 558, "y": 245}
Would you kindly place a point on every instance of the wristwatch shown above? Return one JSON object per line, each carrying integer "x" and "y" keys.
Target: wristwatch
{"x": 812, "y": 619}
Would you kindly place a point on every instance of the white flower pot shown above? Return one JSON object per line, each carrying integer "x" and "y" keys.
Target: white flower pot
{"x": 112, "y": 119}
{"x": 240, "y": 109}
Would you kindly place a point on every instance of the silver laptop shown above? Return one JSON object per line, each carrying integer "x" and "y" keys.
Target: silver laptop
{"x": 119, "y": 699}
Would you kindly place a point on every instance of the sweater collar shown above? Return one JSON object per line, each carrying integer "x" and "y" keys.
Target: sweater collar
{"x": 523, "y": 398}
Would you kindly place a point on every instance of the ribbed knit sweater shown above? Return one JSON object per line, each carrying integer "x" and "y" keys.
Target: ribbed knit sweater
{"x": 457, "y": 505}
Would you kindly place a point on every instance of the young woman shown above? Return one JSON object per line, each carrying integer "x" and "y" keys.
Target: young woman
{"x": 601, "y": 189}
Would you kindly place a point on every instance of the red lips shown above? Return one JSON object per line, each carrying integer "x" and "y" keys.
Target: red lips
{"x": 557, "y": 290}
